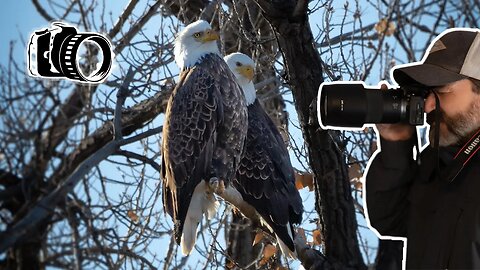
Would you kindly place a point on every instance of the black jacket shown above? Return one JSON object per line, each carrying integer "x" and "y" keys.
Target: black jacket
{"x": 441, "y": 220}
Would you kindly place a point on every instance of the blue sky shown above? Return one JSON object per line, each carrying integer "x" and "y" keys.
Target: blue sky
{"x": 17, "y": 20}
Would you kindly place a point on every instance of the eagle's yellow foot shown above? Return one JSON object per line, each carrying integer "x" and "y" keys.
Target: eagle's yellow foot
{"x": 216, "y": 185}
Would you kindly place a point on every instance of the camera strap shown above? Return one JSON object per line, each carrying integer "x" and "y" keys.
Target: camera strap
{"x": 436, "y": 137}
{"x": 463, "y": 156}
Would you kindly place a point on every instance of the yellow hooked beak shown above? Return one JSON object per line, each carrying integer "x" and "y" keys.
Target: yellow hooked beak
{"x": 246, "y": 71}
{"x": 210, "y": 35}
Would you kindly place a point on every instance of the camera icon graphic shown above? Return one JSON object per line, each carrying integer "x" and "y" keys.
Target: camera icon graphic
{"x": 54, "y": 53}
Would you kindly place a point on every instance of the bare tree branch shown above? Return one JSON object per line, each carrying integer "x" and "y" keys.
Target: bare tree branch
{"x": 46, "y": 206}
{"x": 122, "y": 19}
{"x": 42, "y": 11}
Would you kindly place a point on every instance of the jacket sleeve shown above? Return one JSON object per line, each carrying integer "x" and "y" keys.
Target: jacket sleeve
{"x": 388, "y": 182}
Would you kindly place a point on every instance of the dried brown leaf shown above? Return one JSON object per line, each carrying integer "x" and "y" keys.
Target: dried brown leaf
{"x": 317, "y": 237}
{"x": 132, "y": 215}
{"x": 355, "y": 171}
{"x": 268, "y": 252}
{"x": 357, "y": 184}
{"x": 258, "y": 237}
{"x": 385, "y": 27}
{"x": 230, "y": 265}
{"x": 303, "y": 180}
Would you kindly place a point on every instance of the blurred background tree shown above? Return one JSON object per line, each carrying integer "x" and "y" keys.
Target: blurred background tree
{"x": 79, "y": 181}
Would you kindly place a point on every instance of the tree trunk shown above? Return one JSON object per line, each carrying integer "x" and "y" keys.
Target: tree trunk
{"x": 240, "y": 242}
{"x": 24, "y": 255}
{"x": 304, "y": 74}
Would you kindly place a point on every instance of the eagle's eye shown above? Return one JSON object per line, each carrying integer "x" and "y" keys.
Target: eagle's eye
{"x": 238, "y": 64}
{"x": 197, "y": 34}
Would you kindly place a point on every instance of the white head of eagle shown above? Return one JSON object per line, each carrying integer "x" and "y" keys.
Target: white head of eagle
{"x": 195, "y": 41}
{"x": 243, "y": 68}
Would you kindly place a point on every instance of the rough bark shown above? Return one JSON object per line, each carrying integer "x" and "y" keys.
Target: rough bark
{"x": 240, "y": 240}
{"x": 23, "y": 256}
{"x": 186, "y": 11}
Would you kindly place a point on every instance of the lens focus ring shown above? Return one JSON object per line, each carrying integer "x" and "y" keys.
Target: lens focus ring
{"x": 69, "y": 63}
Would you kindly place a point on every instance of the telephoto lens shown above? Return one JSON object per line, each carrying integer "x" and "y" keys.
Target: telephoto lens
{"x": 353, "y": 105}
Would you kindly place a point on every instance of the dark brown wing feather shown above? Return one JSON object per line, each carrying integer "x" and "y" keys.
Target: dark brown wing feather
{"x": 266, "y": 178}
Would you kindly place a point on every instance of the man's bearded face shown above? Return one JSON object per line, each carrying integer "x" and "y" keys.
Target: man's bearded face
{"x": 458, "y": 128}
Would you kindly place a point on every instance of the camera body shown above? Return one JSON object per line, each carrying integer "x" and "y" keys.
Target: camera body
{"x": 53, "y": 53}
{"x": 351, "y": 104}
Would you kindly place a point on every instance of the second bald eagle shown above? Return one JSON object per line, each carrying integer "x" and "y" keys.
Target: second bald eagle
{"x": 265, "y": 178}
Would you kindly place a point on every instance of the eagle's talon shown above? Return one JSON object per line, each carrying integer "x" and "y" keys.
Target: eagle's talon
{"x": 213, "y": 184}
{"x": 216, "y": 185}
{"x": 221, "y": 187}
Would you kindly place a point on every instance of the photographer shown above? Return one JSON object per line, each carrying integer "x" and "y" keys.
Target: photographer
{"x": 433, "y": 201}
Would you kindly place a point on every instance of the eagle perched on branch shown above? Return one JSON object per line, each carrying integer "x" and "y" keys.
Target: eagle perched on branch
{"x": 203, "y": 134}
{"x": 265, "y": 178}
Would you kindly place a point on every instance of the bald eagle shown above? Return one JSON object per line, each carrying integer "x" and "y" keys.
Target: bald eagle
{"x": 203, "y": 133}
{"x": 265, "y": 178}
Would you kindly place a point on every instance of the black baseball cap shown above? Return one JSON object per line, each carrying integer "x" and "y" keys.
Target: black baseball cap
{"x": 454, "y": 55}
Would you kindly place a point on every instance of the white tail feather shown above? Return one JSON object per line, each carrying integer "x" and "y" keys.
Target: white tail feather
{"x": 189, "y": 235}
{"x": 212, "y": 207}
{"x": 201, "y": 203}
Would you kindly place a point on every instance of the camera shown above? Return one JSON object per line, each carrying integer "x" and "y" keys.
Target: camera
{"x": 54, "y": 53}
{"x": 351, "y": 104}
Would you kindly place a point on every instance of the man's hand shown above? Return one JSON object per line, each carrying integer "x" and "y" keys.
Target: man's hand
{"x": 395, "y": 132}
